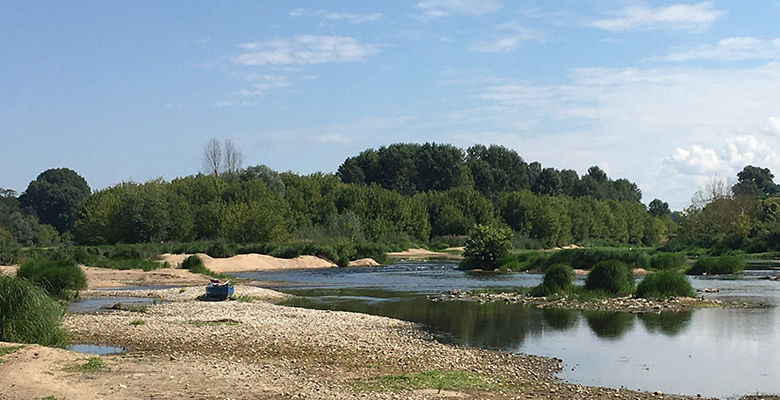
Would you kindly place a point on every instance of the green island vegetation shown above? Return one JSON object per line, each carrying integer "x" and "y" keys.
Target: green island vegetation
{"x": 505, "y": 211}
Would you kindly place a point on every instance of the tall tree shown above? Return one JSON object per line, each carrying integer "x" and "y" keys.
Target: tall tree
{"x": 234, "y": 159}
{"x": 54, "y": 197}
{"x": 755, "y": 182}
{"x": 212, "y": 158}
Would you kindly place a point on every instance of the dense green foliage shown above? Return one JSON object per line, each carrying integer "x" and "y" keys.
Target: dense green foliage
{"x": 662, "y": 261}
{"x": 58, "y": 277}
{"x": 611, "y": 276}
{"x": 28, "y": 314}
{"x": 486, "y": 247}
{"x": 54, "y": 196}
{"x": 726, "y": 264}
{"x": 664, "y": 284}
{"x": 557, "y": 279}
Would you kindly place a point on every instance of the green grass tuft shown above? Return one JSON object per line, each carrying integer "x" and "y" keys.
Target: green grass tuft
{"x": 28, "y": 314}
{"x": 664, "y": 284}
{"x": 440, "y": 380}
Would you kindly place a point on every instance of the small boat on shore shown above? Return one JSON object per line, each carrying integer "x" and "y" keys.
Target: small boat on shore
{"x": 217, "y": 290}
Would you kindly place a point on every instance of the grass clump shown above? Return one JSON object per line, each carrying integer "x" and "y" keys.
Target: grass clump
{"x": 558, "y": 279}
{"x": 8, "y": 350}
{"x": 440, "y": 380}
{"x": 713, "y": 266}
{"x": 28, "y": 314}
{"x": 225, "y": 321}
{"x": 612, "y": 276}
{"x": 93, "y": 364}
{"x": 195, "y": 265}
{"x": 665, "y": 284}
{"x": 664, "y": 261}
{"x": 58, "y": 277}
{"x": 137, "y": 322}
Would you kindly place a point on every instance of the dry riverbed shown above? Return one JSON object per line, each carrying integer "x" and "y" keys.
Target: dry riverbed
{"x": 254, "y": 349}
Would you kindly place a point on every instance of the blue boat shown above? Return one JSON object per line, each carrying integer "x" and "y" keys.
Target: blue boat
{"x": 217, "y": 290}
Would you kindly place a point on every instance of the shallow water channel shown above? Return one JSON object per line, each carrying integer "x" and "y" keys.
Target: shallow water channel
{"x": 712, "y": 352}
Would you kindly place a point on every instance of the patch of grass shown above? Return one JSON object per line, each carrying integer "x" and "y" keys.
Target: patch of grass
{"x": 28, "y": 314}
{"x": 440, "y": 380}
{"x": 93, "y": 364}
{"x": 664, "y": 261}
{"x": 51, "y": 397}
{"x": 137, "y": 322}
{"x": 8, "y": 350}
{"x": 226, "y": 321}
{"x": 612, "y": 276}
{"x": 664, "y": 284}
{"x": 714, "y": 266}
{"x": 558, "y": 279}
{"x": 58, "y": 277}
{"x": 195, "y": 265}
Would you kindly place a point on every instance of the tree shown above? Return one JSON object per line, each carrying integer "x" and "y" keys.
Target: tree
{"x": 54, "y": 197}
{"x": 212, "y": 158}
{"x": 271, "y": 178}
{"x": 755, "y": 182}
{"x": 486, "y": 247}
{"x": 658, "y": 208}
{"x": 233, "y": 158}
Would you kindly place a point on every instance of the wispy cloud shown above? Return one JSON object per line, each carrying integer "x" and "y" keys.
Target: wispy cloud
{"x": 731, "y": 49}
{"x": 694, "y": 18}
{"x": 306, "y": 49}
{"x": 503, "y": 43}
{"x": 262, "y": 83}
{"x": 337, "y": 16}
{"x": 441, "y": 8}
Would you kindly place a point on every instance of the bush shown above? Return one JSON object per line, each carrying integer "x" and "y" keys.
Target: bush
{"x": 664, "y": 283}
{"x": 220, "y": 249}
{"x": 663, "y": 261}
{"x": 713, "y": 266}
{"x": 57, "y": 277}
{"x": 612, "y": 276}
{"x": 486, "y": 247}
{"x": 557, "y": 279}
{"x": 28, "y": 315}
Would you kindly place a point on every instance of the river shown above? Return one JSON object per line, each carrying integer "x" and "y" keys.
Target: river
{"x": 711, "y": 352}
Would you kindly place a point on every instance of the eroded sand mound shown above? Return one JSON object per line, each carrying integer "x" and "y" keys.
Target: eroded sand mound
{"x": 251, "y": 262}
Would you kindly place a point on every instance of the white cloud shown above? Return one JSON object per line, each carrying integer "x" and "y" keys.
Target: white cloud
{"x": 442, "y": 8}
{"x": 732, "y": 156}
{"x": 506, "y": 43}
{"x": 306, "y": 49}
{"x": 262, "y": 83}
{"x": 336, "y": 16}
{"x": 635, "y": 119}
{"x": 695, "y": 18}
{"x": 731, "y": 49}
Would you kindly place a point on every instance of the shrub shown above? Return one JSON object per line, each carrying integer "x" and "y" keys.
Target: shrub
{"x": 722, "y": 265}
{"x": 28, "y": 314}
{"x": 557, "y": 279}
{"x": 664, "y": 283}
{"x": 612, "y": 276}
{"x": 486, "y": 247}
{"x": 194, "y": 264}
{"x": 220, "y": 249}
{"x": 663, "y": 261}
{"x": 57, "y": 277}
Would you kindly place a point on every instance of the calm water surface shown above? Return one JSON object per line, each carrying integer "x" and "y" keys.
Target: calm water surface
{"x": 712, "y": 352}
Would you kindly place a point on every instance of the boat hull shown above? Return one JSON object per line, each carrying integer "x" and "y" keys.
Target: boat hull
{"x": 219, "y": 292}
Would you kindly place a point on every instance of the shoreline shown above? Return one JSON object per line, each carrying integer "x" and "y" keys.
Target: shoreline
{"x": 185, "y": 348}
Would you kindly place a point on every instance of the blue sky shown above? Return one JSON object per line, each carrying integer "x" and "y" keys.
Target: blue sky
{"x": 665, "y": 94}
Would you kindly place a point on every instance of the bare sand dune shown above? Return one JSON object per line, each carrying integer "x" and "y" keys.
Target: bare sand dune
{"x": 251, "y": 262}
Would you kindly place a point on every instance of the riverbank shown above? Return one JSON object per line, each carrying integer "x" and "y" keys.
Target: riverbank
{"x": 252, "y": 348}
{"x": 622, "y": 304}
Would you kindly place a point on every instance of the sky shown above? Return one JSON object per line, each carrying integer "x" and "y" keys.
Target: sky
{"x": 665, "y": 94}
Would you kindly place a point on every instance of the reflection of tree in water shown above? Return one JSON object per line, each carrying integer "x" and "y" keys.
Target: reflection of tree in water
{"x": 668, "y": 323}
{"x": 609, "y": 325}
{"x": 559, "y": 318}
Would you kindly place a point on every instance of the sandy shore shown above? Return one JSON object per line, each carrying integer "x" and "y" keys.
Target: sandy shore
{"x": 184, "y": 348}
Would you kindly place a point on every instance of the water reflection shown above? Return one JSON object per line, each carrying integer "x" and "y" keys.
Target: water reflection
{"x": 668, "y": 323}
{"x": 609, "y": 325}
{"x": 490, "y": 325}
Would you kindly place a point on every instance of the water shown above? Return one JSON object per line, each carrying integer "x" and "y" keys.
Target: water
{"x": 101, "y": 350}
{"x": 94, "y": 304}
{"x": 712, "y": 352}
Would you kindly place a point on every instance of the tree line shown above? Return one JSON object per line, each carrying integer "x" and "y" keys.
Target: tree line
{"x": 403, "y": 193}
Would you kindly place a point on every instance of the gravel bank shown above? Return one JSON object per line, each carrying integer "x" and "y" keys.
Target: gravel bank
{"x": 257, "y": 349}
